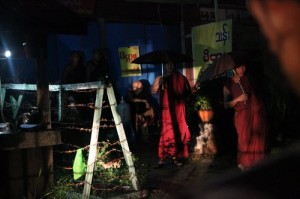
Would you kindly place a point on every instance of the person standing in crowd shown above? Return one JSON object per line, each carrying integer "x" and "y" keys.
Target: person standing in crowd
{"x": 74, "y": 72}
{"x": 249, "y": 118}
{"x": 97, "y": 68}
{"x": 143, "y": 113}
{"x": 174, "y": 90}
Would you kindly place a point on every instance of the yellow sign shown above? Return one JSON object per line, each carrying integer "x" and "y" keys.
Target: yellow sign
{"x": 127, "y": 55}
{"x": 209, "y": 42}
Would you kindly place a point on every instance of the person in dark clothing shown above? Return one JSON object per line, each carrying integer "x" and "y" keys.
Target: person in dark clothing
{"x": 74, "y": 72}
{"x": 143, "y": 112}
{"x": 97, "y": 68}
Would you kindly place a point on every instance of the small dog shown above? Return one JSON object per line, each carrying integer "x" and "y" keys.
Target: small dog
{"x": 206, "y": 144}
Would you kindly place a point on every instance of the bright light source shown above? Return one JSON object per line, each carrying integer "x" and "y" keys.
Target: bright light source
{"x": 7, "y": 54}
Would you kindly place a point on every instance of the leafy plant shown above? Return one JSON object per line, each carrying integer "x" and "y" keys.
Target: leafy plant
{"x": 111, "y": 176}
{"x": 202, "y": 103}
{"x": 62, "y": 186}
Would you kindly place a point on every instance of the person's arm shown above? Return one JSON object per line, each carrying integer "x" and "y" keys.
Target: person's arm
{"x": 228, "y": 102}
{"x": 156, "y": 84}
{"x": 133, "y": 99}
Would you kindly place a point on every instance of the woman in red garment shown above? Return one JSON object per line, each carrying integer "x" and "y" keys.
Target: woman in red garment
{"x": 249, "y": 118}
{"x": 175, "y": 135}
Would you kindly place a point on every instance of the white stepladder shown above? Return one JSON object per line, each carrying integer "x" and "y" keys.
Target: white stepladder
{"x": 94, "y": 140}
{"x": 96, "y": 122}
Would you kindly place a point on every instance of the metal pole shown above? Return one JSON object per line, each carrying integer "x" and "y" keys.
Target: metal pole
{"x": 1, "y": 105}
{"x": 242, "y": 88}
{"x": 59, "y": 104}
{"x": 216, "y": 10}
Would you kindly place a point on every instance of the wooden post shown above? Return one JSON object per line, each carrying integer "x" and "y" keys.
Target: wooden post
{"x": 122, "y": 136}
{"x": 93, "y": 144}
{"x": 37, "y": 49}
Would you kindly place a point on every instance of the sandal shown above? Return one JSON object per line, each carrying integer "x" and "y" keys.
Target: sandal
{"x": 177, "y": 162}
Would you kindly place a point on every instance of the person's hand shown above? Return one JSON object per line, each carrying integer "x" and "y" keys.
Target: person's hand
{"x": 147, "y": 104}
{"x": 151, "y": 113}
{"x": 242, "y": 98}
{"x": 236, "y": 78}
{"x": 158, "y": 79}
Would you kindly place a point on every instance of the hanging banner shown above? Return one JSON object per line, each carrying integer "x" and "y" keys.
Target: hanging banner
{"x": 127, "y": 55}
{"x": 209, "y": 42}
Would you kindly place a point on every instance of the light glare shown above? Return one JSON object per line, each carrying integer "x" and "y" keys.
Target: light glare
{"x": 7, "y": 54}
